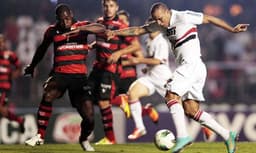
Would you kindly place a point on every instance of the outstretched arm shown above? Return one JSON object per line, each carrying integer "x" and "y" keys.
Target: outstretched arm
{"x": 38, "y": 56}
{"x": 131, "y": 31}
{"x": 221, "y": 23}
{"x": 92, "y": 28}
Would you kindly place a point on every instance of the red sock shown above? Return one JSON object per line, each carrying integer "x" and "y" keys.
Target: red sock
{"x": 43, "y": 115}
{"x": 107, "y": 120}
{"x": 145, "y": 111}
{"x": 116, "y": 101}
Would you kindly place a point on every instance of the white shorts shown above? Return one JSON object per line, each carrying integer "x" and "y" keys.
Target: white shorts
{"x": 153, "y": 84}
{"x": 188, "y": 80}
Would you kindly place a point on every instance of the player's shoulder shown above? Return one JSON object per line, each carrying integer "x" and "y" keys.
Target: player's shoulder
{"x": 51, "y": 29}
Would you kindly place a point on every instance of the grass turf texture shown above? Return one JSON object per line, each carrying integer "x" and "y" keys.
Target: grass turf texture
{"x": 243, "y": 147}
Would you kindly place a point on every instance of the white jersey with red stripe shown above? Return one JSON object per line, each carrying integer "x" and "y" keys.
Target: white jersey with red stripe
{"x": 182, "y": 33}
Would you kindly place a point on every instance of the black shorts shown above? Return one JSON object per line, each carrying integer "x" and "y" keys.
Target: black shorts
{"x": 105, "y": 84}
{"x": 78, "y": 88}
{"x": 125, "y": 84}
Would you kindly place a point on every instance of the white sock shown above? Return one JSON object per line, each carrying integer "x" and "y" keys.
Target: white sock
{"x": 178, "y": 117}
{"x": 136, "y": 111}
{"x": 207, "y": 120}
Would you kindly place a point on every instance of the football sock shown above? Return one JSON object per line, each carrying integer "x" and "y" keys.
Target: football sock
{"x": 145, "y": 111}
{"x": 43, "y": 115}
{"x": 116, "y": 101}
{"x": 107, "y": 120}
{"x": 207, "y": 120}
{"x": 178, "y": 116}
{"x": 136, "y": 111}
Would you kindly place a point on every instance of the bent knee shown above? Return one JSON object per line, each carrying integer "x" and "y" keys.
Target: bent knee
{"x": 51, "y": 95}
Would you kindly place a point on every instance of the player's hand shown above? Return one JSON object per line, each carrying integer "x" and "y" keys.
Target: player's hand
{"x": 240, "y": 28}
{"x": 114, "y": 57}
{"x": 134, "y": 60}
{"x": 110, "y": 34}
{"x": 29, "y": 70}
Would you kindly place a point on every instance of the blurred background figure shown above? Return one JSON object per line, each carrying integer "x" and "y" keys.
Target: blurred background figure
{"x": 10, "y": 69}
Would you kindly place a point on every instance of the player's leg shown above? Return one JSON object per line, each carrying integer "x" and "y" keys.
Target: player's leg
{"x": 136, "y": 91}
{"x": 177, "y": 112}
{"x": 81, "y": 98}
{"x": 122, "y": 99}
{"x": 107, "y": 90}
{"x": 4, "y": 110}
{"x": 51, "y": 92}
{"x": 192, "y": 110}
{"x": 176, "y": 89}
{"x": 151, "y": 112}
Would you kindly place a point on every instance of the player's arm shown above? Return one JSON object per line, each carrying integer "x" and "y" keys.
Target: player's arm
{"x": 148, "y": 61}
{"x": 131, "y": 31}
{"x": 39, "y": 54}
{"x": 221, "y": 23}
{"x": 135, "y": 31}
{"x": 133, "y": 47}
{"x": 92, "y": 28}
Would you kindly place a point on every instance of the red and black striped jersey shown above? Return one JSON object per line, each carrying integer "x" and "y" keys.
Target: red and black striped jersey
{"x": 104, "y": 47}
{"x": 8, "y": 63}
{"x": 69, "y": 52}
{"x": 128, "y": 71}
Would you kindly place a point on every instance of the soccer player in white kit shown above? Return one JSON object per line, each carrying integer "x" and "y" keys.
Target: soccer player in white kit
{"x": 189, "y": 77}
{"x": 157, "y": 74}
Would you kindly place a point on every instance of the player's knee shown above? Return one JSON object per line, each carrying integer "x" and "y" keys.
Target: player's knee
{"x": 51, "y": 96}
{"x": 190, "y": 111}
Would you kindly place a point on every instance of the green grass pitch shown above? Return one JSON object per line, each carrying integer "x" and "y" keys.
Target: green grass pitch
{"x": 242, "y": 147}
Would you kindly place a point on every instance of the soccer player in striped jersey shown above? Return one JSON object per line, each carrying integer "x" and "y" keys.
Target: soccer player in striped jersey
{"x": 10, "y": 68}
{"x": 69, "y": 72}
{"x": 186, "y": 87}
{"x": 106, "y": 70}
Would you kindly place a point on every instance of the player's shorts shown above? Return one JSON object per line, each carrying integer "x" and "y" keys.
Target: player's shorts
{"x": 125, "y": 84}
{"x": 153, "y": 85}
{"x": 79, "y": 89}
{"x": 104, "y": 84}
{"x": 188, "y": 80}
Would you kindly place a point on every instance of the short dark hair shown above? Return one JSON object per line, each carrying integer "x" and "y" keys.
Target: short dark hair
{"x": 60, "y": 8}
{"x": 123, "y": 12}
{"x": 157, "y": 6}
{"x": 104, "y": 1}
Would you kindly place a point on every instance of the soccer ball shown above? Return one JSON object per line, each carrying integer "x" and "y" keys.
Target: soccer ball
{"x": 164, "y": 139}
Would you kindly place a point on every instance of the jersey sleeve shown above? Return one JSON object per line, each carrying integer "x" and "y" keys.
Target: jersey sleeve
{"x": 162, "y": 50}
{"x": 193, "y": 17}
{"x": 48, "y": 35}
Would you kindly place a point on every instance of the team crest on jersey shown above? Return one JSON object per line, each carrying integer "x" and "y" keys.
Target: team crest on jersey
{"x": 171, "y": 35}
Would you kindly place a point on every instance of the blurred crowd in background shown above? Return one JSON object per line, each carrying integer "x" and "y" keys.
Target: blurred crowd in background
{"x": 230, "y": 58}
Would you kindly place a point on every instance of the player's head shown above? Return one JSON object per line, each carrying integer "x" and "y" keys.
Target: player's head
{"x": 64, "y": 15}
{"x": 2, "y": 42}
{"x": 110, "y": 8}
{"x": 161, "y": 14}
{"x": 124, "y": 16}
